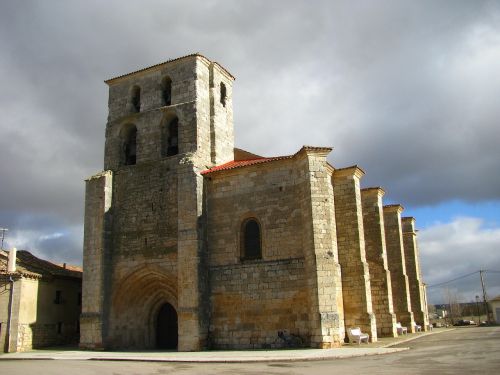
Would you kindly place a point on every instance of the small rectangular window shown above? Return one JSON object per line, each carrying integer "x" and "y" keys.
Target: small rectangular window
{"x": 58, "y": 299}
{"x": 59, "y": 327}
{"x": 223, "y": 94}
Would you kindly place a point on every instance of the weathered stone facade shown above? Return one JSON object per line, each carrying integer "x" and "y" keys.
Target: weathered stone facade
{"x": 192, "y": 244}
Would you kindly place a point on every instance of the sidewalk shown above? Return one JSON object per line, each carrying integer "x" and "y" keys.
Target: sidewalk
{"x": 383, "y": 346}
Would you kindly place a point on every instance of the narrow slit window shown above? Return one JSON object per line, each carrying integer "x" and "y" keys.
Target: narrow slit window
{"x": 223, "y": 94}
{"x": 166, "y": 91}
{"x": 173, "y": 137}
{"x": 58, "y": 299}
{"x": 136, "y": 99}
{"x": 130, "y": 146}
{"x": 251, "y": 240}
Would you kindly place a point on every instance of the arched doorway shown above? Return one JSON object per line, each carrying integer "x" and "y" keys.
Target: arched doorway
{"x": 166, "y": 328}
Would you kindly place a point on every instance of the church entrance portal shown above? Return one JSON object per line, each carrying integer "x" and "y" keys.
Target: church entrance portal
{"x": 166, "y": 328}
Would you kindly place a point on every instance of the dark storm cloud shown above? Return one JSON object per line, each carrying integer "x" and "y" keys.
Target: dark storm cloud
{"x": 408, "y": 90}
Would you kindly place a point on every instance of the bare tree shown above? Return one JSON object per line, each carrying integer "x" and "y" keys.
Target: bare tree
{"x": 431, "y": 309}
{"x": 452, "y": 299}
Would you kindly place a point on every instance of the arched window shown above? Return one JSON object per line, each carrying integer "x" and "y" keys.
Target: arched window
{"x": 223, "y": 94}
{"x": 130, "y": 145}
{"x": 250, "y": 240}
{"x": 166, "y": 90}
{"x": 135, "y": 99}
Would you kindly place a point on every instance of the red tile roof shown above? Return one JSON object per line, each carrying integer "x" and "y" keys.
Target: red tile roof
{"x": 243, "y": 163}
{"x": 258, "y": 159}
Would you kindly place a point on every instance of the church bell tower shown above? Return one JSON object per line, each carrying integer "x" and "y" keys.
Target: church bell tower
{"x": 144, "y": 212}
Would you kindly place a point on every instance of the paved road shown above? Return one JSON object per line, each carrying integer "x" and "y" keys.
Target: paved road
{"x": 462, "y": 351}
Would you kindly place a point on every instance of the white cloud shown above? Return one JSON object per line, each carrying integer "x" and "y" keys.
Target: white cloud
{"x": 462, "y": 246}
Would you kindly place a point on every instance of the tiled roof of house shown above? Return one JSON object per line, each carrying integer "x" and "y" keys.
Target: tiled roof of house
{"x": 29, "y": 265}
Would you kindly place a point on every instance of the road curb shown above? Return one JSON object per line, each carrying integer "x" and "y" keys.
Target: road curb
{"x": 256, "y": 359}
{"x": 417, "y": 337}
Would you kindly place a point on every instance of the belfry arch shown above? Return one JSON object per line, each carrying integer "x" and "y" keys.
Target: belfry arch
{"x": 138, "y": 310}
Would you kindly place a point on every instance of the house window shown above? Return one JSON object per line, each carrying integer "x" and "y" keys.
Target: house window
{"x": 58, "y": 299}
{"x": 59, "y": 327}
{"x": 130, "y": 145}
{"x": 251, "y": 240}
{"x": 166, "y": 90}
{"x": 135, "y": 99}
{"x": 223, "y": 94}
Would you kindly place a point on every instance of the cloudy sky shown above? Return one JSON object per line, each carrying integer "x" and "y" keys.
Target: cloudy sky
{"x": 408, "y": 90}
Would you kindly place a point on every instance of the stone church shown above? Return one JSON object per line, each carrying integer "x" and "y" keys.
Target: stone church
{"x": 192, "y": 244}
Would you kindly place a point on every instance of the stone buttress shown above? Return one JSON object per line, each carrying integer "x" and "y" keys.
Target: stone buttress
{"x": 417, "y": 290}
{"x": 397, "y": 266}
{"x": 96, "y": 255}
{"x": 356, "y": 289}
{"x": 376, "y": 255}
{"x": 321, "y": 255}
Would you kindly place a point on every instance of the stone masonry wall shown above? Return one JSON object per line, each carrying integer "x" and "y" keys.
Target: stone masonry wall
{"x": 309, "y": 304}
{"x": 351, "y": 247}
{"x": 144, "y": 232}
{"x": 221, "y": 117}
{"x": 253, "y": 301}
{"x": 266, "y": 192}
{"x": 181, "y": 72}
{"x": 241, "y": 290}
{"x": 145, "y": 209}
{"x": 397, "y": 266}
{"x": 376, "y": 255}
